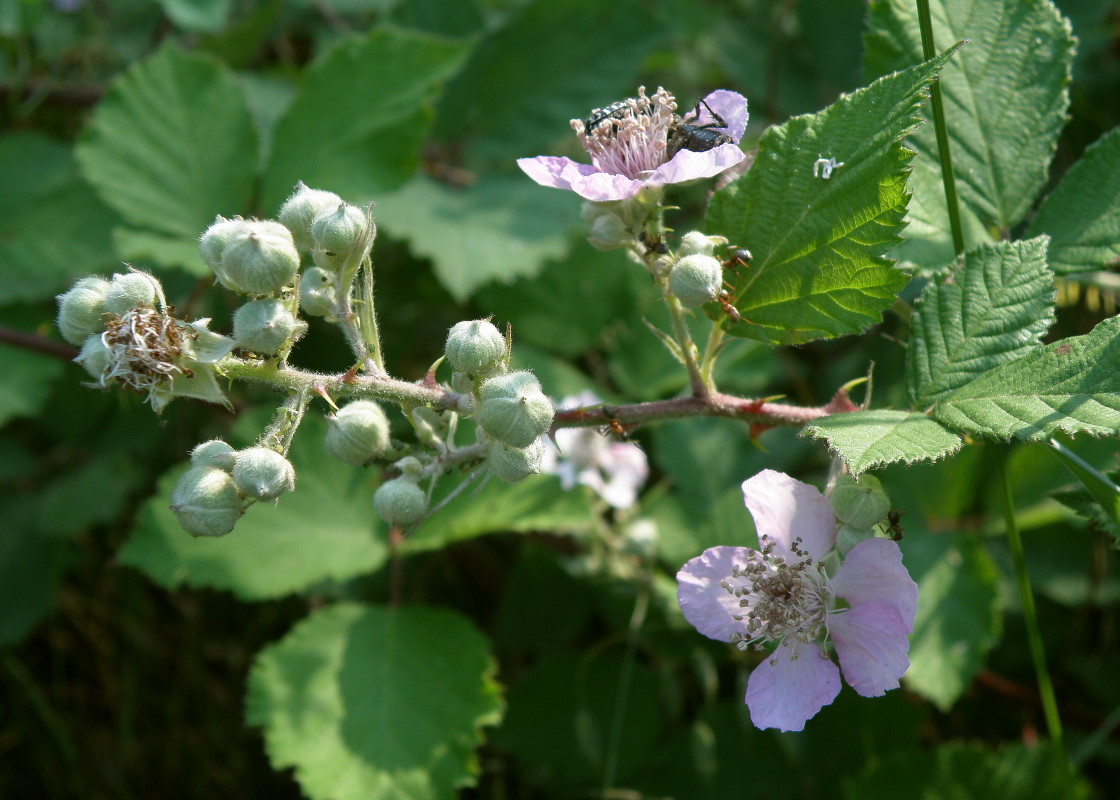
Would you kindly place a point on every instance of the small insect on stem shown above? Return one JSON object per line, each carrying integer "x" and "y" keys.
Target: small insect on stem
{"x": 724, "y": 300}
{"x": 614, "y": 426}
{"x": 653, "y": 243}
{"x": 894, "y": 530}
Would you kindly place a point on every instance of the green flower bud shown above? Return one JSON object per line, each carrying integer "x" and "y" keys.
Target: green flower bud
{"x": 129, "y": 290}
{"x": 338, "y": 231}
{"x": 260, "y": 258}
{"x": 263, "y": 326}
{"x": 400, "y": 502}
{"x": 848, "y": 537}
{"x": 512, "y": 464}
{"x": 301, "y": 209}
{"x": 696, "y": 243}
{"x": 514, "y": 409}
{"x": 696, "y": 280}
{"x": 214, "y": 453}
{"x": 215, "y": 238}
{"x": 260, "y": 472}
{"x": 206, "y": 501}
{"x": 94, "y": 356}
{"x": 474, "y": 346}
{"x": 608, "y": 232}
{"x": 358, "y": 433}
{"x": 861, "y": 504}
{"x": 80, "y": 309}
{"x": 317, "y": 296}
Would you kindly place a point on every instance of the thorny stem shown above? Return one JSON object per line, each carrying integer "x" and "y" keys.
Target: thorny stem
{"x": 368, "y": 317}
{"x": 285, "y": 422}
{"x": 684, "y": 339}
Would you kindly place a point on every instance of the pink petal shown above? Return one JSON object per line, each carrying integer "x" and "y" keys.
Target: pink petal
{"x": 687, "y": 165}
{"x": 784, "y": 508}
{"x": 732, "y": 108}
{"x": 796, "y": 682}
{"x": 552, "y": 171}
{"x": 873, "y": 571}
{"x": 707, "y": 606}
{"x": 871, "y": 644}
{"x": 603, "y": 186}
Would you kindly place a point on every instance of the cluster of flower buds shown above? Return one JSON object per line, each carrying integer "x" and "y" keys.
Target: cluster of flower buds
{"x": 221, "y": 482}
{"x": 697, "y": 276}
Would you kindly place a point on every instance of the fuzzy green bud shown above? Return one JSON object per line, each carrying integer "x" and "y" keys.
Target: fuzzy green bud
{"x": 861, "y": 504}
{"x": 214, "y": 453}
{"x": 317, "y": 296}
{"x": 338, "y": 232}
{"x": 301, "y": 209}
{"x": 206, "y": 501}
{"x": 474, "y": 346}
{"x": 263, "y": 473}
{"x": 259, "y": 259}
{"x": 80, "y": 309}
{"x": 129, "y": 290}
{"x": 358, "y": 433}
{"x": 94, "y": 356}
{"x": 512, "y": 464}
{"x": 696, "y": 280}
{"x": 263, "y": 326}
{"x": 696, "y": 243}
{"x": 514, "y": 410}
{"x": 400, "y": 502}
{"x": 215, "y": 238}
{"x": 848, "y": 537}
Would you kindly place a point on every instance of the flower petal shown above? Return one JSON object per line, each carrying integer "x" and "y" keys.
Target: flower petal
{"x": 687, "y": 165}
{"x": 732, "y": 108}
{"x": 784, "y": 509}
{"x": 626, "y": 468}
{"x": 707, "y": 606}
{"x": 873, "y": 570}
{"x": 603, "y": 186}
{"x": 552, "y": 171}
{"x": 871, "y": 644}
{"x": 796, "y": 682}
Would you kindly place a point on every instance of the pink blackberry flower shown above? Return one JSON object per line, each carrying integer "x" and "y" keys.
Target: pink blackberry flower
{"x": 784, "y": 594}
{"x": 642, "y": 142}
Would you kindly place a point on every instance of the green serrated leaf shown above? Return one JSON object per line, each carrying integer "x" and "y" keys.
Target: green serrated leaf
{"x": 818, "y": 242}
{"x": 360, "y": 118}
{"x": 1082, "y": 214}
{"x": 368, "y": 702}
{"x": 1015, "y": 772}
{"x": 991, "y": 310}
{"x": 1006, "y": 94}
{"x": 25, "y": 381}
{"x": 324, "y": 530}
{"x": 958, "y": 621}
{"x": 869, "y": 439}
{"x": 535, "y": 504}
{"x": 524, "y": 83}
{"x": 1070, "y": 386}
{"x": 53, "y": 229}
{"x": 499, "y": 228}
{"x": 172, "y": 144}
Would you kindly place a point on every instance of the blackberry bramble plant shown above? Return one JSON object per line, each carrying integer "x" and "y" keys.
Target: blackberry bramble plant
{"x": 864, "y": 298}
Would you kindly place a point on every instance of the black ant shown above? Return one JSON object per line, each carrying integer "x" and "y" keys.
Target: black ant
{"x": 894, "y": 530}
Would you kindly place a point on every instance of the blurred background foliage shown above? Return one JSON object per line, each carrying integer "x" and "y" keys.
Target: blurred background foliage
{"x": 128, "y": 124}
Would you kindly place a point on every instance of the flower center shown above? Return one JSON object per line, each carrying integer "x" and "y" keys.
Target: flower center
{"x": 144, "y": 346}
{"x": 629, "y": 137}
{"x": 780, "y": 596}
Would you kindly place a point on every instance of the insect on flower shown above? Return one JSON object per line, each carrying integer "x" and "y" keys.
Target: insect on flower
{"x": 687, "y": 135}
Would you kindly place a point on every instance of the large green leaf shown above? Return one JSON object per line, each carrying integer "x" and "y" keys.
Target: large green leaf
{"x": 818, "y": 242}
{"x": 1068, "y": 386}
{"x": 1006, "y": 94}
{"x": 375, "y": 703}
{"x": 358, "y": 122}
{"x": 172, "y": 144}
{"x": 1082, "y": 214}
{"x": 868, "y": 439}
{"x": 552, "y": 61}
{"x": 324, "y": 530}
{"x": 992, "y": 309}
{"x": 495, "y": 230}
{"x": 958, "y": 619}
{"x": 53, "y": 229}
{"x": 26, "y": 381}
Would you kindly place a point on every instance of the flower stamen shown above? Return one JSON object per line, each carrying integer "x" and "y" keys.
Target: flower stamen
{"x": 631, "y": 139}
